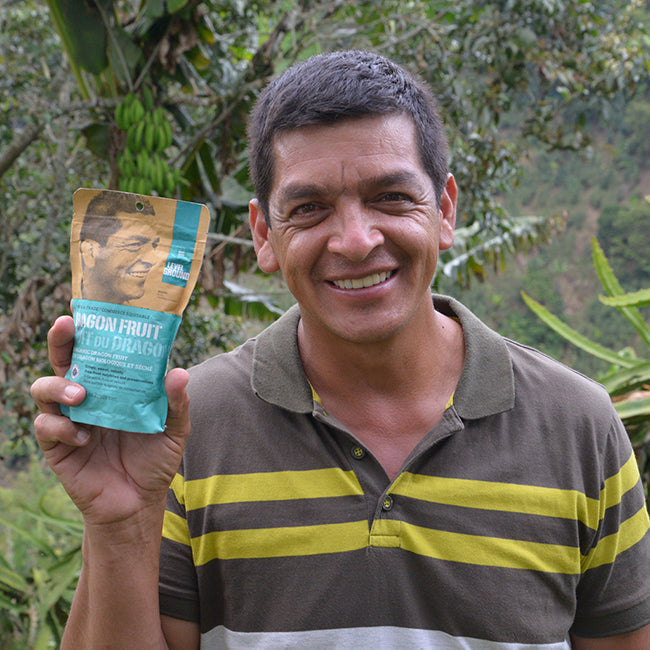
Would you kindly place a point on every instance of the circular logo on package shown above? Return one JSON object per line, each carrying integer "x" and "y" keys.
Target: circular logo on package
{"x": 75, "y": 371}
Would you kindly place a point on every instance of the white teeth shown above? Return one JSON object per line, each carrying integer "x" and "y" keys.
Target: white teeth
{"x": 362, "y": 283}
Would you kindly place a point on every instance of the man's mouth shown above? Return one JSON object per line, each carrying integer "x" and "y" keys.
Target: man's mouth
{"x": 363, "y": 283}
{"x": 139, "y": 275}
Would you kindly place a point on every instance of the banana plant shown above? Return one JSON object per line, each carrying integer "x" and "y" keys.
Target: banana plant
{"x": 475, "y": 250}
{"x": 628, "y": 378}
{"x": 39, "y": 566}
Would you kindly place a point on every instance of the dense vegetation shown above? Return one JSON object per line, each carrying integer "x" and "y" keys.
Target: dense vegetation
{"x": 601, "y": 194}
{"x": 548, "y": 109}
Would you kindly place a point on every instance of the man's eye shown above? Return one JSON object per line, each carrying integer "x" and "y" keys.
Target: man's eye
{"x": 307, "y": 210}
{"x": 394, "y": 197}
{"x": 133, "y": 247}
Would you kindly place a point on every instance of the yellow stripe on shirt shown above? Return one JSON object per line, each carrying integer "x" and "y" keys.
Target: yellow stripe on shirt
{"x": 271, "y": 486}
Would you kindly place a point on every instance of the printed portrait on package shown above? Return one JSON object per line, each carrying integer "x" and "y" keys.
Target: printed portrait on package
{"x": 136, "y": 250}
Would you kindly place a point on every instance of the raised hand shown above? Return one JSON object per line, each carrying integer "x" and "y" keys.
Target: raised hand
{"x": 110, "y": 475}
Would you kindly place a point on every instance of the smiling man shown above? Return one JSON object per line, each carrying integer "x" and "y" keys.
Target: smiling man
{"x": 116, "y": 253}
{"x": 375, "y": 469}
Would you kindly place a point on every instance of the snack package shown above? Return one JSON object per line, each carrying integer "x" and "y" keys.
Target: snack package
{"x": 135, "y": 261}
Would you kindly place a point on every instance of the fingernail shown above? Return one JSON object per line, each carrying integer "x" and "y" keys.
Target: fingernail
{"x": 72, "y": 391}
{"x": 82, "y": 436}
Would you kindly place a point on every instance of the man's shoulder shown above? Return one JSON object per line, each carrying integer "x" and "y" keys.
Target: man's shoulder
{"x": 267, "y": 366}
{"x": 534, "y": 358}
{"x": 536, "y": 369}
{"x": 500, "y": 373}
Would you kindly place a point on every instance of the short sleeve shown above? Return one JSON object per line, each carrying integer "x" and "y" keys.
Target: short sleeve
{"x": 178, "y": 585}
{"x": 613, "y": 595}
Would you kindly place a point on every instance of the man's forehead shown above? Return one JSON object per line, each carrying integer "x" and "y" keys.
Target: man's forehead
{"x": 370, "y": 122}
{"x": 396, "y": 127}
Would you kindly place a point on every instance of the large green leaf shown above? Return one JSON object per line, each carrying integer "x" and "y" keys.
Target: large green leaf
{"x": 242, "y": 301}
{"x": 97, "y": 138}
{"x": 476, "y": 247}
{"x": 82, "y": 31}
{"x": 123, "y": 54}
{"x": 613, "y": 288}
{"x": 158, "y": 8}
{"x": 635, "y": 299}
{"x": 574, "y": 337}
{"x": 633, "y": 408}
{"x": 627, "y": 379}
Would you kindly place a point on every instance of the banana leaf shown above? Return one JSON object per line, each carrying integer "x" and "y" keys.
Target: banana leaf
{"x": 241, "y": 301}
{"x": 83, "y": 33}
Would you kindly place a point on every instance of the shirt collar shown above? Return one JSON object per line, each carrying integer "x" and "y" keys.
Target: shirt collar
{"x": 486, "y": 384}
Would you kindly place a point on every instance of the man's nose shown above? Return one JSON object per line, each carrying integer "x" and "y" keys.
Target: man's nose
{"x": 356, "y": 233}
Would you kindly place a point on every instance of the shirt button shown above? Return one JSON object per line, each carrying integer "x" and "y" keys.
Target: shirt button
{"x": 388, "y": 503}
{"x": 357, "y": 453}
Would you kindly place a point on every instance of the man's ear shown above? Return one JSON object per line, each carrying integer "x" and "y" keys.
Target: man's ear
{"x": 448, "y": 213}
{"x": 260, "y": 230}
{"x": 88, "y": 250}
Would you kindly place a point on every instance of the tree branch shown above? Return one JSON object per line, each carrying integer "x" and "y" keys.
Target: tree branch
{"x": 18, "y": 145}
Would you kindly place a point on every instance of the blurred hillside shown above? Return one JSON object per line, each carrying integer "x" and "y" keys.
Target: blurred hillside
{"x": 600, "y": 193}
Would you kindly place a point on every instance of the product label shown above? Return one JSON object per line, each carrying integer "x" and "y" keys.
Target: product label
{"x": 179, "y": 261}
{"x": 120, "y": 357}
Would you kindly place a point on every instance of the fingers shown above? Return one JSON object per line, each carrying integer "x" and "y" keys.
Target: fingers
{"x": 60, "y": 340}
{"x": 49, "y": 392}
{"x": 178, "y": 416}
{"x": 54, "y": 429}
{"x": 50, "y": 426}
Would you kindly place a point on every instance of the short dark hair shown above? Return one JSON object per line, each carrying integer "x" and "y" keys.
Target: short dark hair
{"x": 108, "y": 204}
{"x": 327, "y": 88}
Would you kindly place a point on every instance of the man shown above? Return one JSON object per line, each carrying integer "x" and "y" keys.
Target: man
{"x": 376, "y": 469}
{"x": 115, "y": 256}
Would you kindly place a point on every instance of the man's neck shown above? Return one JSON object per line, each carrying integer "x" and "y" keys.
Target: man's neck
{"x": 403, "y": 363}
{"x": 389, "y": 394}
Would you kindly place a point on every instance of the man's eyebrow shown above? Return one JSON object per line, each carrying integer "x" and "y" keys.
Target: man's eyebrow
{"x": 136, "y": 239}
{"x": 391, "y": 179}
{"x": 301, "y": 191}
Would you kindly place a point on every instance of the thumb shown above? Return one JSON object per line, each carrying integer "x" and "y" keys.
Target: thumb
{"x": 178, "y": 413}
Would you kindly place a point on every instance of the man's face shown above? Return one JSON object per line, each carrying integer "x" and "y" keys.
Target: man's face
{"x": 123, "y": 264}
{"x": 355, "y": 226}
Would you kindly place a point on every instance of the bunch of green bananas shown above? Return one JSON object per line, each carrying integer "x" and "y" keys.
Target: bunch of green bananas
{"x": 142, "y": 166}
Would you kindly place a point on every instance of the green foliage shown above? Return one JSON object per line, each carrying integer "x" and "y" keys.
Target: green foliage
{"x": 510, "y": 76}
{"x": 628, "y": 377}
{"x": 563, "y": 60}
{"x": 636, "y": 127}
{"x": 626, "y": 241}
{"x": 203, "y": 332}
{"x": 40, "y": 560}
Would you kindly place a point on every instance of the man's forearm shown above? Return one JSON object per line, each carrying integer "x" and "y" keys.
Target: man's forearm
{"x": 116, "y": 602}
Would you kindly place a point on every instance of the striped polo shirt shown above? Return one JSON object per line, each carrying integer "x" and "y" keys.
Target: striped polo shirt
{"x": 518, "y": 518}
